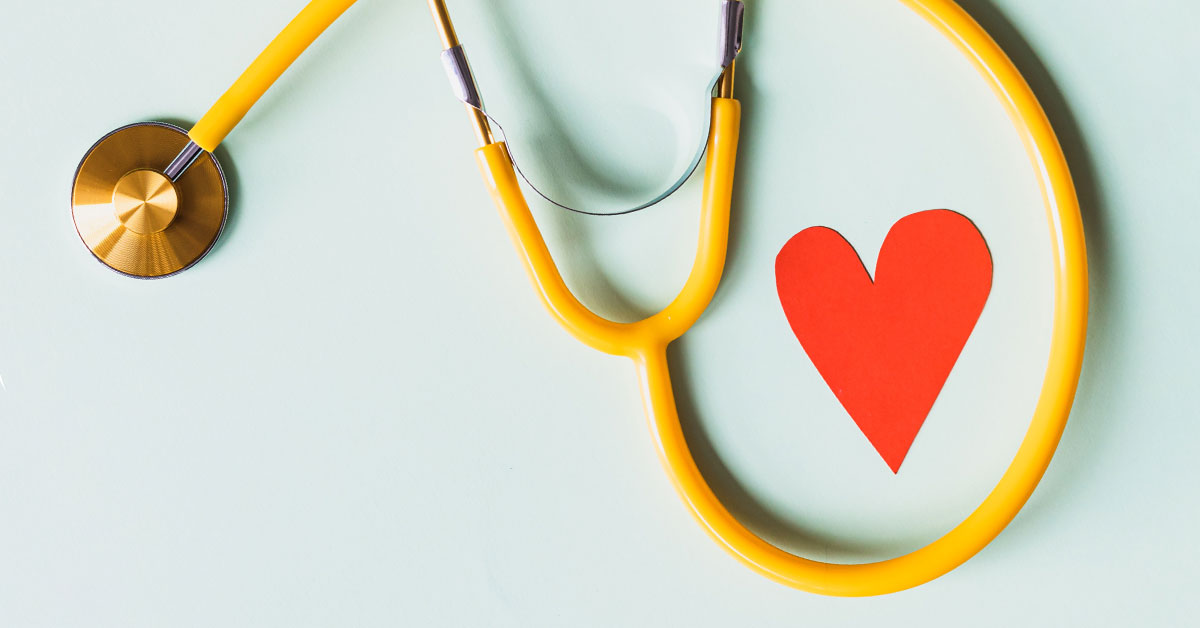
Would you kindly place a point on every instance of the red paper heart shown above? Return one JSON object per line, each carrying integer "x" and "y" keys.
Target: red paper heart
{"x": 886, "y": 347}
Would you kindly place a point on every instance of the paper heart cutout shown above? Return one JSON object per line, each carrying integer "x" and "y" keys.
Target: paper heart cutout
{"x": 885, "y": 347}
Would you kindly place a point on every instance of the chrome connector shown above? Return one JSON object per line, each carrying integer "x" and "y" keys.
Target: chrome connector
{"x": 732, "y": 14}
{"x": 462, "y": 81}
{"x": 180, "y": 164}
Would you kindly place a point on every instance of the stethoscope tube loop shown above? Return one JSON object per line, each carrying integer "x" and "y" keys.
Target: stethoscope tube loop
{"x": 646, "y": 342}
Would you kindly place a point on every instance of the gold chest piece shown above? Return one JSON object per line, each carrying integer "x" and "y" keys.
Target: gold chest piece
{"x": 132, "y": 217}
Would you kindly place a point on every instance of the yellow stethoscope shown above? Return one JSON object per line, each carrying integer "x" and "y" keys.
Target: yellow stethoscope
{"x": 147, "y": 220}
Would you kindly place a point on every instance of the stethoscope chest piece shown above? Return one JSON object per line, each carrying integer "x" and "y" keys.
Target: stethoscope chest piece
{"x": 133, "y": 216}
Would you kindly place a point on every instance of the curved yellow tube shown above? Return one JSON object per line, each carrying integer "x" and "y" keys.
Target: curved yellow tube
{"x": 646, "y": 341}
{"x": 233, "y": 105}
{"x": 627, "y": 339}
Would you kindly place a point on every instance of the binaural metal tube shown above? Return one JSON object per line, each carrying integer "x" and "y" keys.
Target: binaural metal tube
{"x": 441, "y": 17}
{"x": 725, "y": 86}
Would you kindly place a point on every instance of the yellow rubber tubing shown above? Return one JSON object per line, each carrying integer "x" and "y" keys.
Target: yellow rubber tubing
{"x": 627, "y": 339}
{"x": 645, "y": 342}
{"x": 233, "y": 105}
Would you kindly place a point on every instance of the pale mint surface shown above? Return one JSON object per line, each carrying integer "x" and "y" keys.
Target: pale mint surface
{"x": 355, "y": 412}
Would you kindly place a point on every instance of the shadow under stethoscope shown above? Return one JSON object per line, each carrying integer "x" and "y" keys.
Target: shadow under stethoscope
{"x": 580, "y": 266}
{"x": 559, "y": 148}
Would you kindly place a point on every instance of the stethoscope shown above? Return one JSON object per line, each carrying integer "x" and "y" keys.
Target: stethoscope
{"x": 150, "y": 199}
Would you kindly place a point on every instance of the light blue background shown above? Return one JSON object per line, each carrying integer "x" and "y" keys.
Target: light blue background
{"x": 354, "y": 411}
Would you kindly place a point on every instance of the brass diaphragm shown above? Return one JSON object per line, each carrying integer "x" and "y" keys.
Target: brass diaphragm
{"x": 136, "y": 220}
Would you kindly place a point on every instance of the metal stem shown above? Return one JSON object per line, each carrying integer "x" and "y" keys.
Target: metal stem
{"x": 725, "y": 86}
{"x": 182, "y": 161}
{"x": 441, "y": 17}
